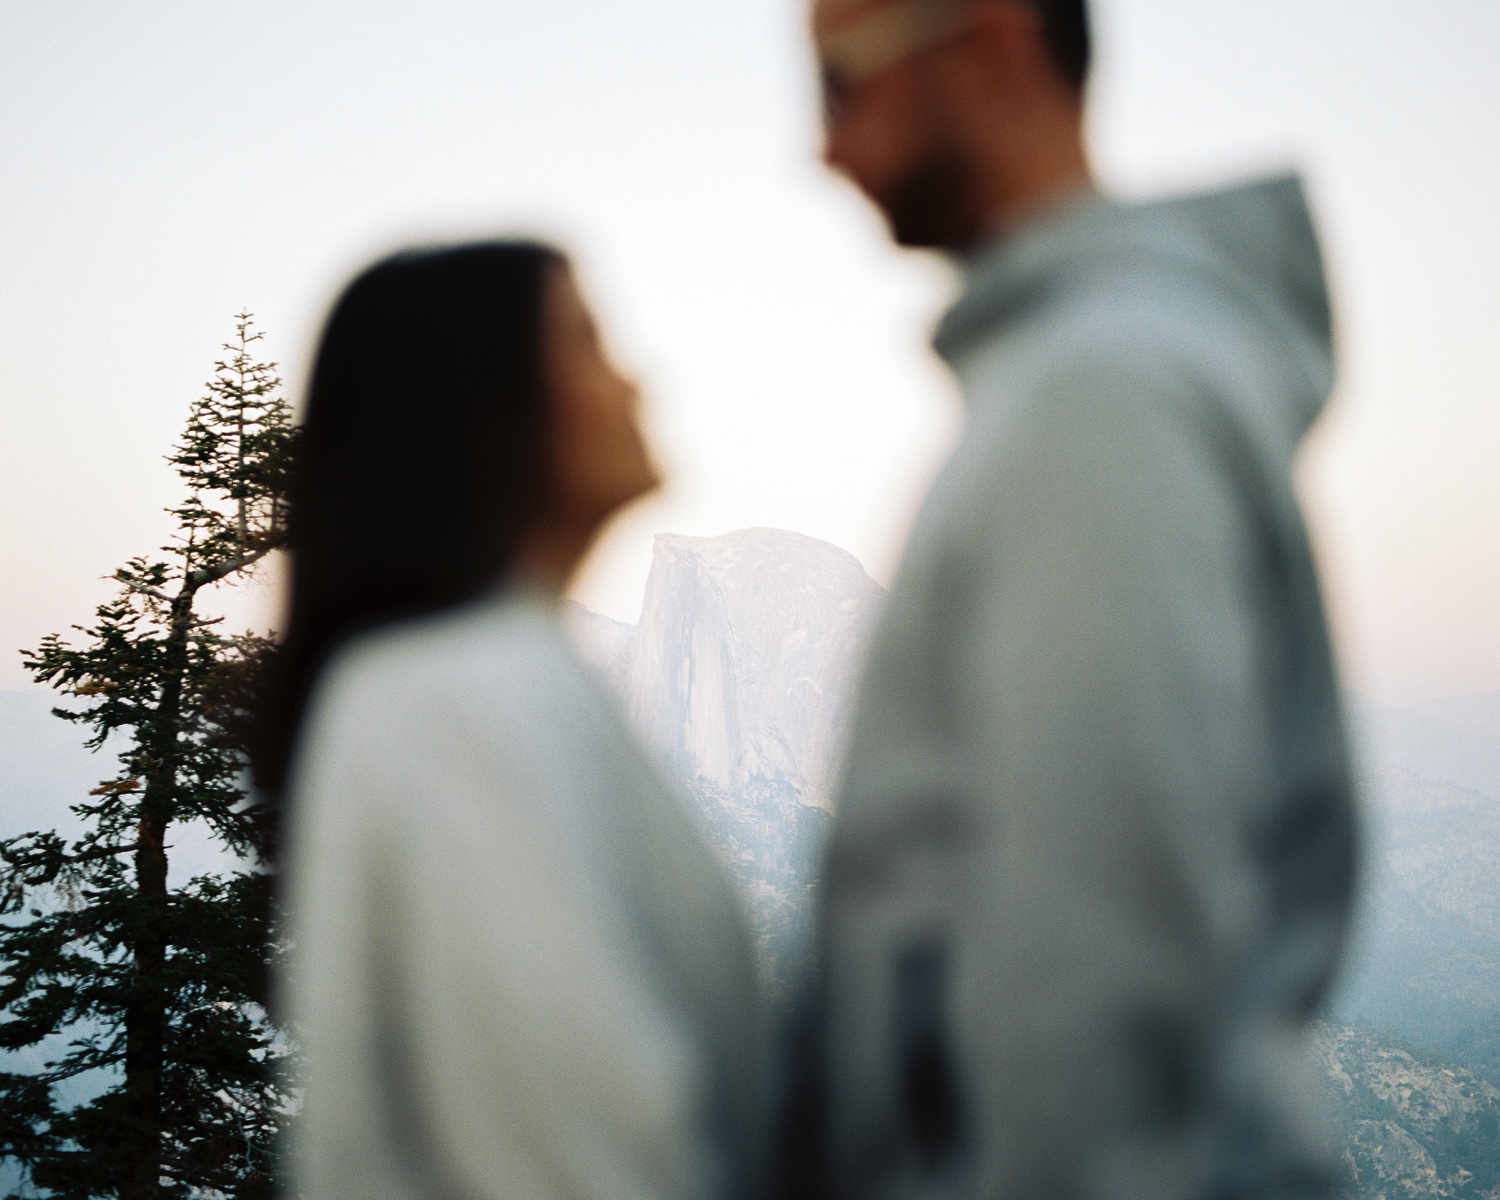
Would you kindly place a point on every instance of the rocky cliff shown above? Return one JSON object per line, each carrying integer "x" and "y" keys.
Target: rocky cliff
{"x": 741, "y": 668}
{"x": 1411, "y": 1125}
{"x": 739, "y": 679}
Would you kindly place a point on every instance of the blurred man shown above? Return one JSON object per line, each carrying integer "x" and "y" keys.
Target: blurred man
{"x": 1093, "y": 862}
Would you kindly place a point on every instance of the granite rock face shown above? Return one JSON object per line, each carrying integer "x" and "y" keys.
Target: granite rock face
{"x": 739, "y": 679}
{"x": 1412, "y": 1125}
{"x": 741, "y": 668}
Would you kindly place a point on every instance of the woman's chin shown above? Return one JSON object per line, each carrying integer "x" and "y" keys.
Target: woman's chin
{"x": 647, "y": 482}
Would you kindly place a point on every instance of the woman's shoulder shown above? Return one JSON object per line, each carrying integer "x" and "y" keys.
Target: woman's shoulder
{"x": 502, "y": 656}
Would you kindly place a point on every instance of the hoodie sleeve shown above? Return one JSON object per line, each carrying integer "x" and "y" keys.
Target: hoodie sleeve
{"x": 1162, "y": 866}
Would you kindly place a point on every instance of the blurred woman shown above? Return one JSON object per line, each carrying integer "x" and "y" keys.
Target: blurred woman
{"x": 516, "y": 969}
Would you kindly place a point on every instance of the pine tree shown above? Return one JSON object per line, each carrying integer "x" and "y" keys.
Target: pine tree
{"x": 107, "y": 969}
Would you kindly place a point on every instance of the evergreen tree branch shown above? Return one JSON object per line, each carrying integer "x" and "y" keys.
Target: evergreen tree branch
{"x": 162, "y": 988}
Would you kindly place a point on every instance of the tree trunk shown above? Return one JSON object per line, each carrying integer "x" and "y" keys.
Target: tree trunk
{"x": 146, "y": 1007}
{"x": 146, "y": 1016}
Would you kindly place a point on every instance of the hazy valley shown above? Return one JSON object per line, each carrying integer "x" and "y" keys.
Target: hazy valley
{"x": 738, "y": 677}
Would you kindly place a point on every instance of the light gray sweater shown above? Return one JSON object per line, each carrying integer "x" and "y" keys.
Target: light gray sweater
{"x": 518, "y": 972}
{"x": 1093, "y": 862}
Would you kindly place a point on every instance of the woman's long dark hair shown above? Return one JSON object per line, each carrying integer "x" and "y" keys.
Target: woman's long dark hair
{"x": 421, "y": 458}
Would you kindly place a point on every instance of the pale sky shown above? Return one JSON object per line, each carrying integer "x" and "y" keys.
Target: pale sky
{"x": 165, "y": 164}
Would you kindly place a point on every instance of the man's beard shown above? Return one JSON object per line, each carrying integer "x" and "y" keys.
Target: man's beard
{"x": 931, "y": 205}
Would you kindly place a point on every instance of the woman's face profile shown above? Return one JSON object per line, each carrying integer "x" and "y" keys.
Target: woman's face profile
{"x": 599, "y": 458}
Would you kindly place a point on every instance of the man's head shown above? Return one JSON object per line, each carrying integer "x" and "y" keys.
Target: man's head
{"x": 954, "y": 116}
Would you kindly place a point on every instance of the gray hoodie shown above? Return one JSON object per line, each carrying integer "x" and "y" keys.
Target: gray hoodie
{"x": 1093, "y": 864}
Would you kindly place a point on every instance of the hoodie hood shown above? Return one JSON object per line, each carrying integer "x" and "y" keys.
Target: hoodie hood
{"x": 1252, "y": 246}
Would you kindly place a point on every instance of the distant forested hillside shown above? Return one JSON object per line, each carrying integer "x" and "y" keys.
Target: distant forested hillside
{"x": 739, "y": 676}
{"x": 1410, "y": 1124}
{"x": 1427, "y": 951}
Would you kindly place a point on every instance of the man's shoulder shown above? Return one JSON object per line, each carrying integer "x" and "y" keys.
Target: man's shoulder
{"x": 1134, "y": 324}
{"x": 1160, "y": 354}
{"x": 1083, "y": 365}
